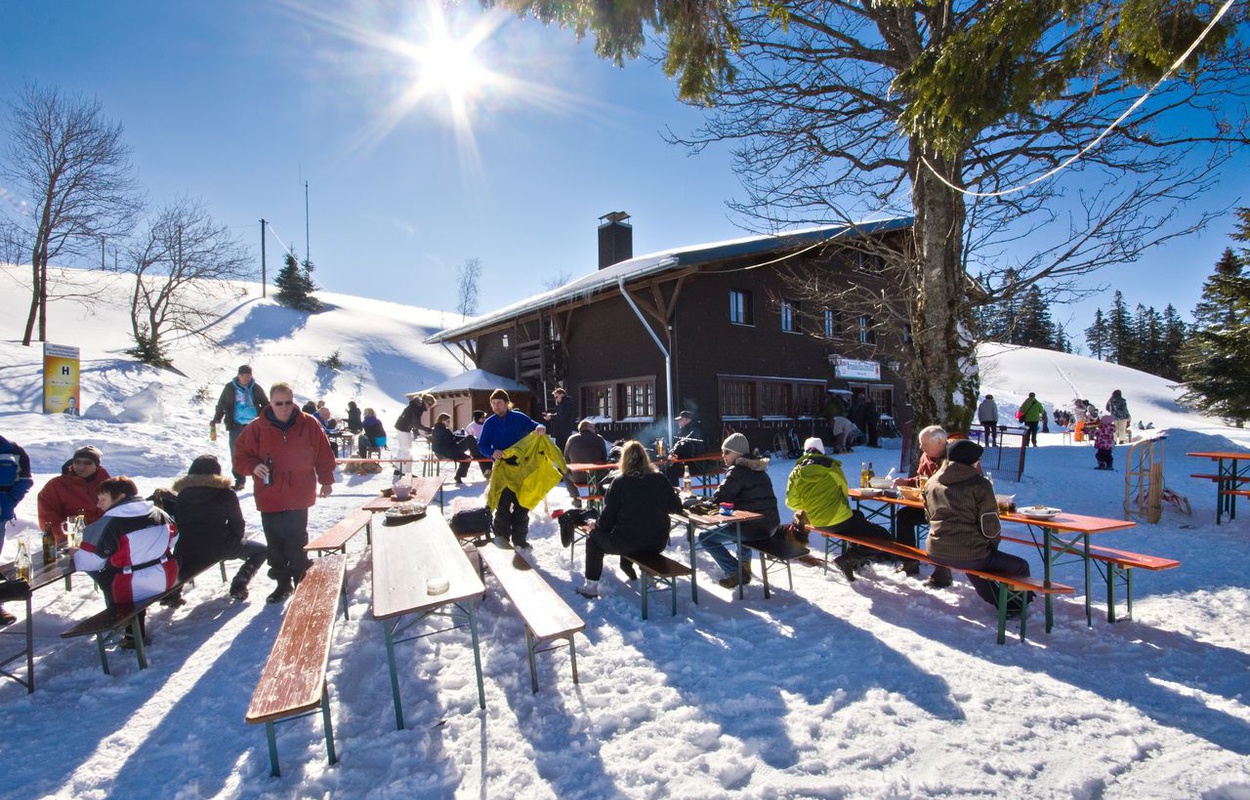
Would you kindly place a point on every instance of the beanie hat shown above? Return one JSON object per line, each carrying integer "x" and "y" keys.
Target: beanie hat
{"x": 964, "y": 451}
{"x": 736, "y": 443}
{"x": 205, "y": 465}
{"x": 814, "y": 443}
{"x": 245, "y": 370}
{"x": 90, "y": 451}
{"x": 500, "y": 394}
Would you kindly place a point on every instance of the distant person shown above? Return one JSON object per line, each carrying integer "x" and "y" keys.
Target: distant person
{"x": 817, "y": 486}
{"x": 474, "y": 428}
{"x": 749, "y": 488}
{"x": 446, "y": 444}
{"x": 634, "y": 520}
{"x": 408, "y": 426}
{"x": 688, "y": 442}
{"x": 327, "y": 420}
{"x": 373, "y": 434}
{"x": 1031, "y": 413}
{"x": 310, "y": 408}
{"x": 1118, "y": 407}
{"x": 75, "y": 491}
{"x": 240, "y": 402}
{"x": 15, "y": 483}
{"x": 211, "y": 527}
{"x": 964, "y": 528}
{"x": 127, "y": 549}
{"x": 355, "y": 423}
{"x": 987, "y": 415}
{"x": 845, "y": 434}
{"x": 561, "y": 419}
{"x": 585, "y": 447}
{"x": 288, "y": 455}
{"x": 505, "y": 427}
{"x": 1104, "y": 443}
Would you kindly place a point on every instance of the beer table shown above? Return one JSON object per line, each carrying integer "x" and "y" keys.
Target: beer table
{"x": 408, "y": 560}
{"x": 41, "y": 575}
{"x": 1229, "y": 477}
{"x": 709, "y": 522}
{"x": 424, "y": 490}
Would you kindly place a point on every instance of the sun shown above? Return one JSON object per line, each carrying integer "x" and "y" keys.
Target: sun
{"x": 449, "y": 66}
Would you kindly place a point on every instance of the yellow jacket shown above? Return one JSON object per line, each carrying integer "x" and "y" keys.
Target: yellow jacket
{"x": 530, "y": 468}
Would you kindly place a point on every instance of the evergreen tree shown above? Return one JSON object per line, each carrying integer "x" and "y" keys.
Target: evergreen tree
{"x": 1175, "y": 337}
{"x": 1033, "y": 326}
{"x": 1097, "y": 336}
{"x": 1216, "y": 360}
{"x": 1120, "y": 332}
{"x": 295, "y": 285}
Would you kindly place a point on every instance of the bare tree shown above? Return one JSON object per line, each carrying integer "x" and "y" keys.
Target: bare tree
{"x": 562, "y": 277}
{"x": 466, "y": 286}
{"x": 75, "y": 170}
{"x": 178, "y": 266}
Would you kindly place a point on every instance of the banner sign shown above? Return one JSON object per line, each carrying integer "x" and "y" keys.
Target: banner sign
{"x": 60, "y": 380}
{"x": 853, "y": 369}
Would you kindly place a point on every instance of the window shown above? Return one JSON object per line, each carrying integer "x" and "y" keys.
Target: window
{"x": 907, "y": 333}
{"x": 505, "y": 341}
{"x": 639, "y": 399}
{"x": 833, "y": 323}
{"x": 741, "y": 311}
{"x": 774, "y": 399}
{"x": 735, "y": 398}
{"x": 790, "y": 317}
{"x": 866, "y": 334}
{"x": 599, "y": 401}
{"x": 809, "y": 399}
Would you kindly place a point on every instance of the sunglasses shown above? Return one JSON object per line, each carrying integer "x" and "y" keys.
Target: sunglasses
{"x": 84, "y": 461}
{"x": 283, "y": 403}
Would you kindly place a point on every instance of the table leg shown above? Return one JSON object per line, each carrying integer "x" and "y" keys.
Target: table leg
{"x": 1089, "y": 603}
{"x": 738, "y": 536}
{"x": 30, "y": 644}
{"x": 477, "y": 653}
{"x": 694, "y": 569}
{"x": 1048, "y": 554}
{"x": 390, "y": 662}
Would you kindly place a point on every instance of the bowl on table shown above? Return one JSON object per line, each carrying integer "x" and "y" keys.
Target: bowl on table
{"x": 870, "y": 492}
{"x": 880, "y": 483}
{"x": 911, "y": 493}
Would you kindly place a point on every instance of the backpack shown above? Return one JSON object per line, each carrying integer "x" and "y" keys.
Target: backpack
{"x": 404, "y": 423}
{"x": 1020, "y": 416}
{"x": 10, "y": 470}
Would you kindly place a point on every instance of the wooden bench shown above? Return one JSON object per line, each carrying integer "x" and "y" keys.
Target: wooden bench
{"x": 293, "y": 681}
{"x": 1119, "y": 566}
{"x": 342, "y": 532}
{"x": 774, "y": 552}
{"x": 1010, "y": 587}
{"x": 659, "y": 574}
{"x": 1235, "y": 492}
{"x": 1222, "y": 478}
{"x": 545, "y": 614}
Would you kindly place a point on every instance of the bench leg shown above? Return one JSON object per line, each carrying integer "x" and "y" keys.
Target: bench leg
{"x": 1002, "y": 613}
{"x": 100, "y": 639}
{"x": 672, "y": 588}
{"x": 325, "y": 716}
{"x": 477, "y": 654}
{"x": 272, "y": 738}
{"x": 390, "y": 661}
{"x": 136, "y": 630}
{"x": 343, "y": 593}
{"x": 764, "y": 574}
{"x": 573, "y": 656}
{"x": 529, "y": 652}
{"x": 646, "y": 589}
{"x": 222, "y": 564}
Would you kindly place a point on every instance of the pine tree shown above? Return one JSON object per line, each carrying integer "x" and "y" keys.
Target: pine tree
{"x": 1097, "y": 336}
{"x": 1033, "y": 326}
{"x": 295, "y": 285}
{"x": 1175, "y": 336}
{"x": 1216, "y": 360}
{"x": 1120, "y": 333}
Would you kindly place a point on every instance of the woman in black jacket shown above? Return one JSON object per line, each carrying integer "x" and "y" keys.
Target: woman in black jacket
{"x": 635, "y": 513}
{"x": 210, "y": 526}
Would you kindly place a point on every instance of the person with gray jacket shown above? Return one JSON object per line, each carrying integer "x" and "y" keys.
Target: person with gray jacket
{"x": 987, "y": 415}
{"x": 964, "y": 527}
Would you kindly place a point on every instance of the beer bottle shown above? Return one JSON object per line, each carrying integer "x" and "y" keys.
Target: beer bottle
{"x": 212, "y": 433}
{"x": 871, "y": 475}
{"x": 685, "y": 481}
{"x": 22, "y": 560}
{"x": 863, "y": 474}
{"x": 268, "y": 471}
{"x": 49, "y": 545}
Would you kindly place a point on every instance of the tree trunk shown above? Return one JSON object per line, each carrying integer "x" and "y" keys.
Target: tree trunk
{"x": 35, "y": 291}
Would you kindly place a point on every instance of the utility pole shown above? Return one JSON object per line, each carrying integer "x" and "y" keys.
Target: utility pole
{"x": 264, "y": 280}
{"x": 307, "y": 249}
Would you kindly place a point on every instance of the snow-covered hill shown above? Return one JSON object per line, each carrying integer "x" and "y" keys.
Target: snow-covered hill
{"x": 877, "y": 689}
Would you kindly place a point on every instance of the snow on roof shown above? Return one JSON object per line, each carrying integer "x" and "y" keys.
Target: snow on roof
{"x": 653, "y": 263}
{"x": 476, "y": 379}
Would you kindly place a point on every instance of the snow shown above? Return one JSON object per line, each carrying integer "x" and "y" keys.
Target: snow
{"x": 879, "y": 689}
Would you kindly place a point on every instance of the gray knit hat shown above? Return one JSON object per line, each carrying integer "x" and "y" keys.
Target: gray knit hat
{"x": 737, "y": 443}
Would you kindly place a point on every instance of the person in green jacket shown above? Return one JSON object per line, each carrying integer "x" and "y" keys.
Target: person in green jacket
{"x": 818, "y": 488}
{"x": 1032, "y": 411}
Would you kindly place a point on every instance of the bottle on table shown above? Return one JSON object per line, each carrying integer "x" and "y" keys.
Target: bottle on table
{"x": 871, "y": 475}
{"x": 212, "y": 433}
{"x": 659, "y": 448}
{"x": 268, "y": 471}
{"x": 863, "y": 474}
{"x": 49, "y": 545}
{"x": 22, "y": 560}
{"x": 686, "y": 483}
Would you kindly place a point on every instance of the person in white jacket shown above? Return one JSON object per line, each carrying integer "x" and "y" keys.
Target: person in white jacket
{"x": 987, "y": 415}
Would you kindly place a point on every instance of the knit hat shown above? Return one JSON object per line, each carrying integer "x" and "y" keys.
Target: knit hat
{"x": 586, "y": 425}
{"x": 558, "y": 390}
{"x": 500, "y": 394}
{"x": 814, "y": 443}
{"x": 964, "y": 451}
{"x": 245, "y": 370}
{"x": 90, "y": 451}
{"x": 736, "y": 443}
{"x": 205, "y": 465}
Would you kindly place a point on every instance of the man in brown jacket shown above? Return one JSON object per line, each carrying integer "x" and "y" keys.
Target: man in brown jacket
{"x": 964, "y": 527}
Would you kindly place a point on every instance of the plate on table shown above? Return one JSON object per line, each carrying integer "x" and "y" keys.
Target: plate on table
{"x": 403, "y": 513}
{"x": 870, "y": 492}
{"x": 1039, "y": 512}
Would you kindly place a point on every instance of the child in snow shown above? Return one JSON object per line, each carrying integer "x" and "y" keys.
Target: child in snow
{"x": 1104, "y": 441}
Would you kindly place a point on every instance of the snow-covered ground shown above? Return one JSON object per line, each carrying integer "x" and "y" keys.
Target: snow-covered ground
{"x": 879, "y": 689}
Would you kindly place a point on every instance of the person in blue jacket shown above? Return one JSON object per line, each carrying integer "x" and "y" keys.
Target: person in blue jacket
{"x": 15, "y": 482}
{"x": 503, "y": 428}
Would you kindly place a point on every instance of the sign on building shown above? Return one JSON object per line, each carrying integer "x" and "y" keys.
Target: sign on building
{"x": 855, "y": 369}
{"x": 60, "y": 380}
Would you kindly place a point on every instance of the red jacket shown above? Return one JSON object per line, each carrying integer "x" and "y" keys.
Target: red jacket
{"x": 301, "y": 458}
{"x": 68, "y": 495}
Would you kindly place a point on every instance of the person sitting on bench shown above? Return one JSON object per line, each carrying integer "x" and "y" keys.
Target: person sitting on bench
{"x": 127, "y": 551}
{"x": 445, "y": 444}
{"x": 964, "y": 527}
{"x": 634, "y": 520}
{"x": 817, "y": 486}
{"x": 749, "y": 488}
{"x": 374, "y": 436}
{"x": 932, "y": 452}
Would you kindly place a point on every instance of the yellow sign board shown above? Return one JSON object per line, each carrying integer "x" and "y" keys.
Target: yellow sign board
{"x": 60, "y": 380}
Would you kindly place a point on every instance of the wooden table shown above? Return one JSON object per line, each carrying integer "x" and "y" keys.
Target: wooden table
{"x": 41, "y": 575}
{"x": 405, "y": 557}
{"x": 711, "y": 522}
{"x": 1063, "y": 535}
{"x": 424, "y": 490}
{"x": 1229, "y": 476}
{"x": 594, "y": 474}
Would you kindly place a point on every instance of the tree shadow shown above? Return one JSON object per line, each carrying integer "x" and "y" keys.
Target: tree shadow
{"x": 266, "y": 323}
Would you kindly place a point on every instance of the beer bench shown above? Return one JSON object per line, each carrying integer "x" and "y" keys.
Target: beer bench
{"x": 774, "y": 552}
{"x": 545, "y": 614}
{"x": 293, "y": 681}
{"x": 342, "y": 532}
{"x": 659, "y": 574}
{"x": 1010, "y": 587}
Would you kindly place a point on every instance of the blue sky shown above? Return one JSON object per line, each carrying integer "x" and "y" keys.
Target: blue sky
{"x": 238, "y": 103}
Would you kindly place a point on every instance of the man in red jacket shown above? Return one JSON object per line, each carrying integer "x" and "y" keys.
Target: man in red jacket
{"x": 75, "y": 491}
{"x": 288, "y": 454}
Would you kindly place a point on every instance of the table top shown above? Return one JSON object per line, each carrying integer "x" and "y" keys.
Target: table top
{"x": 592, "y": 467}
{"x": 1072, "y": 523}
{"x": 42, "y": 574}
{"x": 1221, "y": 454}
{"x": 424, "y": 490}
{"x": 405, "y": 557}
{"x": 716, "y": 520}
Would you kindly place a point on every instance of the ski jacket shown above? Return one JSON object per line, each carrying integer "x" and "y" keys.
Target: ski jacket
{"x": 749, "y": 488}
{"x": 17, "y": 481}
{"x": 301, "y": 458}
{"x": 68, "y": 495}
{"x": 635, "y": 512}
{"x": 232, "y": 394}
{"x": 209, "y": 519}
{"x": 530, "y": 468}
{"x": 500, "y": 433}
{"x": 129, "y": 548}
{"x": 818, "y": 487}
{"x": 962, "y": 512}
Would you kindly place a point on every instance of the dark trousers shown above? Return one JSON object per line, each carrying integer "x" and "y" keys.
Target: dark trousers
{"x": 599, "y": 544}
{"x": 994, "y": 562}
{"x": 858, "y": 525}
{"x": 286, "y": 533}
{"x": 252, "y": 553}
{"x": 991, "y": 432}
{"x": 1105, "y": 459}
{"x": 1030, "y": 433}
{"x": 234, "y": 434}
{"x": 465, "y": 448}
{"x": 512, "y": 520}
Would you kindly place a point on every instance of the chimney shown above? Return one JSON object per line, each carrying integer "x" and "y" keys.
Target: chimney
{"x": 616, "y": 239}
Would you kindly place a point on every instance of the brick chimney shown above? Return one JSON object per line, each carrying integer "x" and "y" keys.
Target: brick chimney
{"x": 616, "y": 239}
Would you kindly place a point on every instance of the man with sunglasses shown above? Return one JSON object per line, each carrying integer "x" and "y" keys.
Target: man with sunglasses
{"x": 75, "y": 491}
{"x": 287, "y": 453}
